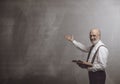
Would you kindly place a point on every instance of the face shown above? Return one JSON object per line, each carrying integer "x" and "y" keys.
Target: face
{"x": 94, "y": 36}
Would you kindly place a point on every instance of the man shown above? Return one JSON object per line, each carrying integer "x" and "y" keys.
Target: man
{"x": 97, "y": 56}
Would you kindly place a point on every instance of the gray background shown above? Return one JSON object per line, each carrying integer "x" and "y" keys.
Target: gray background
{"x": 32, "y": 45}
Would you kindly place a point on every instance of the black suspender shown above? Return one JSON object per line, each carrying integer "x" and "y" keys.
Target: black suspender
{"x": 90, "y": 52}
{"x": 94, "y": 54}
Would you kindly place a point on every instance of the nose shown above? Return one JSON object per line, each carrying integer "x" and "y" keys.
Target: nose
{"x": 92, "y": 37}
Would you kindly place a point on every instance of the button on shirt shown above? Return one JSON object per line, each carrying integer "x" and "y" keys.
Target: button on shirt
{"x": 100, "y": 61}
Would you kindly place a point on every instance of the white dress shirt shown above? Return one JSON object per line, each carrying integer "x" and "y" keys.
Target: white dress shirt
{"x": 100, "y": 61}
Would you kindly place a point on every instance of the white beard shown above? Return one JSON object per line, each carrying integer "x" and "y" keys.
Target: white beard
{"x": 94, "y": 42}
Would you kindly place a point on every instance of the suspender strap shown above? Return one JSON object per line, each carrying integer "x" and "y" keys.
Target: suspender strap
{"x": 89, "y": 53}
{"x": 96, "y": 54}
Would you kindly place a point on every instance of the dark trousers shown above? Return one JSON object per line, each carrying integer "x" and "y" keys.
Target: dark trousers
{"x": 97, "y": 77}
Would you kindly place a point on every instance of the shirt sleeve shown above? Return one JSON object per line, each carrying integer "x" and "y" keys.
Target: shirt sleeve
{"x": 101, "y": 62}
{"x": 80, "y": 46}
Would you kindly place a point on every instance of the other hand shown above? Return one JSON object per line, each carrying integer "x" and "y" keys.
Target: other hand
{"x": 69, "y": 37}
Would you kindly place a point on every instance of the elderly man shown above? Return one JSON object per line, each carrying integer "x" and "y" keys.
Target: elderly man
{"x": 97, "y": 56}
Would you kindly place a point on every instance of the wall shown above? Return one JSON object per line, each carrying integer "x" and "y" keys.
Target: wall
{"x": 32, "y": 44}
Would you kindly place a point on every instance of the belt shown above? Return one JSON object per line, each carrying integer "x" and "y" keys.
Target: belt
{"x": 97, "y": 71}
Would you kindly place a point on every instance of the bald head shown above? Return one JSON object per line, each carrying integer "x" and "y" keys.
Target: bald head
{"x": 96, "y": 30}
{"x": 95, "y": 35}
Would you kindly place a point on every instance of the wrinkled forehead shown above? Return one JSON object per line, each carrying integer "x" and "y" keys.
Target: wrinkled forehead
{"x": 94, "y": 32}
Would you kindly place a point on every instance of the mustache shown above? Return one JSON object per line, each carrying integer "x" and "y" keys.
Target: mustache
{"x": 93, "y": 39}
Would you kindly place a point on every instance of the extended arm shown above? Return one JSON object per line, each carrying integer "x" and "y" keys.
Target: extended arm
{"x": 77, "y": 44}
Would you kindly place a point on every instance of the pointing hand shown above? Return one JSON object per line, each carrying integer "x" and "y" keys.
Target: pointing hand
{"x": 69, "y": 37}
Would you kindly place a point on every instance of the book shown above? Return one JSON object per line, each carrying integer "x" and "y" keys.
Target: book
{"x": 82, "y": 64}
